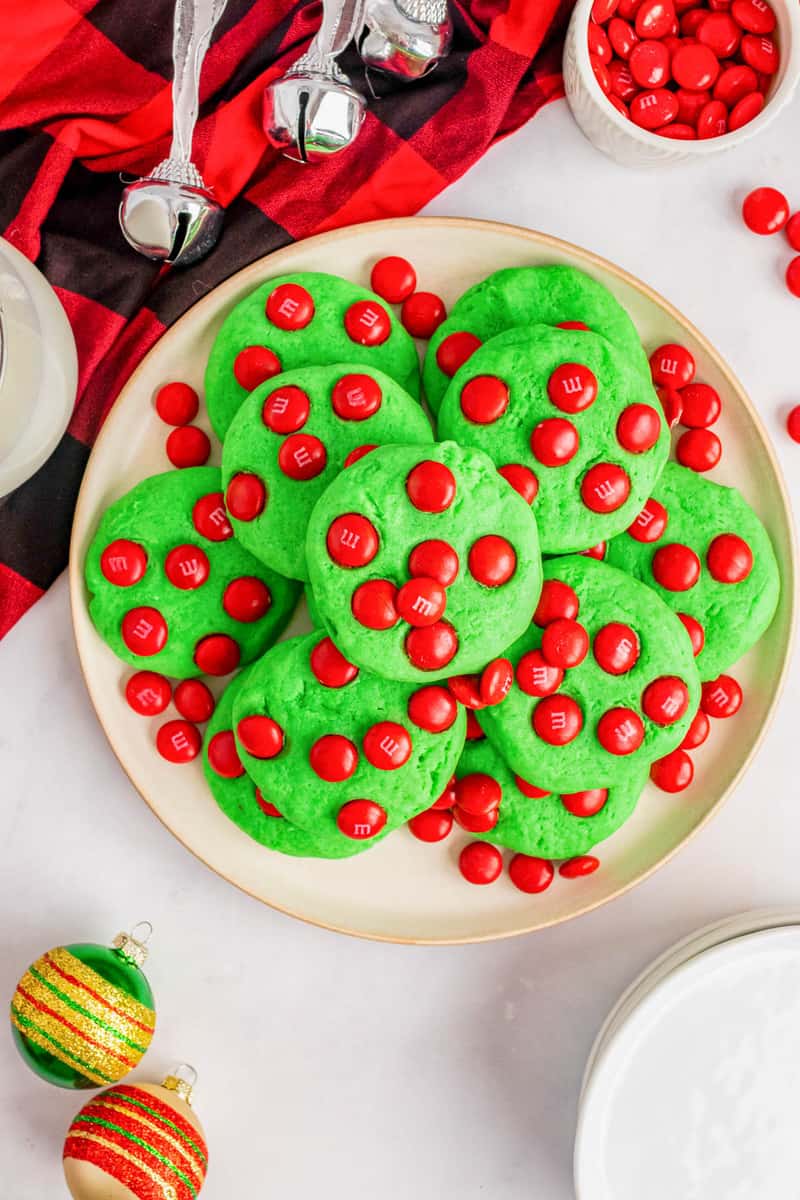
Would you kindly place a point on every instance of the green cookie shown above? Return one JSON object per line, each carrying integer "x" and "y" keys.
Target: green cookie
{"x": 238, "y": 797}
{"x": 298, "y": 321}
{"x": 164, "y": 573}
{"x": 294, "y": 434}
{"x": 542, "y": 825}
{"x": 529, "y": 296}
{"x": 528, "y": 384}
{"x": 472, "y": 590}
{"x": 687, "y": 510}
{"x": 549, "y": 731}
{"x": 374, "y": 753}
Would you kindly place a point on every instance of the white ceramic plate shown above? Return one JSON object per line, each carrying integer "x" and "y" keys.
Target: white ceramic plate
{"x": 405, "y": 890}
{"x": 694, "y": 1095}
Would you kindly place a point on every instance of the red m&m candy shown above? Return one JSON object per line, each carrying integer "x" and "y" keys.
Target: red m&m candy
{"x": 432, "y": 825}
{"x": 720, "y": 33}
{"x": 361, "y": 819}
{"x": 422, "y": 314}
{"x": 557, "y": 599}
{"x": 530, "y": 874}
{"x": 701, "y": 405}
{"x": 585, "y": 804}
{"x": 302, "y": 456}
{"x": 217, "y": 654}
{"x": 480, "y": 863}
{"x": 676, "y": 567}
{"x": 792, "y": 230}
{"x": 247, "y": 599}
{"x": 695, "y": 630}
{"x": 123, "y": 562}
{"x": 649, "y": 64}
{"x": 478, "y": 794}
{"x": 333, "y": 758}
{"x": 431, "y": 487}
{"x": 246, "y": 496}
{"x": 194, "y": 700}
{"x": 223, "y": 757}
{"x": 765, "y": 210}
{"x": 522, "y": 479}
{"x": 665, "y": 700}
{"x": 144, "y": 631}
{"x": 484, "y": 399}
{"x": 572, "y": 387}
{"x": 554, "y": 441}
{"x": 576, "y": 868}
{"x": 698, "y": 449}
{"x": 760, "y": 53}
{"x": 652, "y": 109}
{"x": 721, "y": 697}
{"x": 432, "y": 647}
{"x": 756, "y": 16}
{"x": 492, "y": 560}
{"x": 367, "y": 323}
{"x": 793, "y": 423}
{"x": 177, "y": 403}
{"x": 254, "y": 365}
{"x": 290, "y": 306}
{"x": 436, "y": 560}
{"x": 210, "y": 518}
{"x": 650, "y": 523}
{"x": 497, "y": 678}
{"x": 565, "y": 644}
{"x": 358, "y": 453}
{"x": 432, "y": 708}
{"x": 329, "y": 666}
{"x": 744, "y": 112}
{"x": 793, "y": 276}
{"x": 261, "y": 736}
{"x": 186, "y": 567}
{"x": 697, "y": 732}
{"x": 638, "y": 428}
{"x": 729, "y": 558}
{"x": 557, "y": 720}
{"x": 148, "y": 693}
{"x": 529, "y": 790}
{"x": 695, "y": 67}
{"x": 735, "y": 83}
{"x": 286, "y": 409}
{"x": 654, "y": 18}
{"x": 374, "y": 604}
{"x": 672, "y": 365}
{"x": 393, "y": 278}
{"x": 536, "y": 676}
{"x": 674, "y": 772}
{"x": 178, "y": 741}
{"x": 605, "y": 487}
{"x": 421, "y": 601}
{"x": 620, "y": 731}
{"x": 454, "y": 351}
{"x": 616, "y": 648}
{"x": 356, "y": 397}
{"x": 188, "y": 446}
{"x": 352, "y": 540}
{"x": 476, "y": 822}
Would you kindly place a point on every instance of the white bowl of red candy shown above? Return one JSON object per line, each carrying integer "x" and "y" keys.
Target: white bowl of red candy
{"x": 652, "y": 81}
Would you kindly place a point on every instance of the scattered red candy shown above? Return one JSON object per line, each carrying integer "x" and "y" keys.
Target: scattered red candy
{"x": 448, "y": 797}
{"x": 616, "y": 648}
{"x": 148, "y": 693}
{"x": 701, "y": 405}
{"x": 676, "y": 567}
{"x": 186, "y": 567}
{"x": 793, "y": 276}
{"x": 575, "y": 868}
{"x": 665, "y": 700}
{"x": 289, "y": 306}
{"x": 436, "y": 560}
{"x": 497, "y": 679}
{"x": 217, "y": 654}
{"x": 638, "y": 428}
{"x": 536, "y": 677}
{"x": 367, "y": 323}
{"x": 178, "y": 741}
{"x": 529, "y": 790}
{"x": 286, "y": 409}
{"x": 492, "y": 560}
{"x": 522, "y": 479}
{"x": 484, "y": 399}
{"x": 654, "y": 18}
{"x": 713, "y": 120}
{"x": 598, "y": 552}
{"x": 433, "y": 825}
{"x": 431, "y": 487}
{"x": 565, "y": 644}
{"x": 223, "y": 757}
{"x": 670, "y": 399}
{"x": 302, "y": 456}
{"x": 266, "y": 806}
{"x": 650, "y": 523}
{"x": 358, "y": 453}
{"x": 261, "y": 736}
{"x": 245, "y": 497}
{"x": 188, "y": 446}
{"x": 333, "y": 758}
{"x": 557, "y": 599}
{"x": 721, "y": 697}
{"x": 480, "y": 863}
{"x": 352, "y": 540}
{"x": 254, "y": 365}
{"x": 746, "y": 109}
{"x": 433, "y": 709}
{"x": 474, "y": 823}
{"x": 356, "y": 397}
{"x": 557, "y": 720}
{"x": 177, "y": 403}
{"x": 599, "y": 44}
{"x": 729, "y": 558}
{"x": 361, "y": 819}
{"x": 210, "y": 518}
{"x": 792, "y": 231}
{"x": 755, "y": 16}
{"x": 329, "y": 666}
{"x": 432, "y": 648}
{"x": 697, "y": 732}
{"x": 585, "y": 804}
{"x": 530, "y": 874}
{"x": 374, "y": 604}
{"x": 698, "y": 449}
{"x": 793, "y": 423}
{"x": 649, "y": 64}
{"x": 696, "y": 632}
{"x": 478, "y": 794}
{"x": 123, "y": 562}
{"x": 605, "y": 487}
{"x": 765, "y": 210}
{"x": 695, "y": 67}
{"x": 467, "y": 690}
{"x": 422, "y": 314}
{"x": 720, "y": 33}
{"x": 387, "y": 745}
{"x": 554, "y": 441}
{"x": 144, "y": 631}
{"x": 194, "y": 700}
{"x": 760, "y": 53}
{"x": 674, "y": 772}
{"x": 393, "y": 278}
{"x": 572, "y": 387}
{"x": 620, "y": 731}
{"x": 247, "y": 599}
{"x": 734, "y": 83}
{"x": 454, "y": 351}
{"x": 672, "y": 365}
{"x": 622, "y": 37}
{"x": 654, "y": 108}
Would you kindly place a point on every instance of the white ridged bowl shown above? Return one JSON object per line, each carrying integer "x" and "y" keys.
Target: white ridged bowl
{"x": 624, "y": 141}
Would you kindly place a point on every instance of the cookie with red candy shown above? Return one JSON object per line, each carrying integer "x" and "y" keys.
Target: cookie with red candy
{"x": 629, "y": 700}
{"x": 171, "y": 590}
{"x": 548, "y": 825}
{"x": 237, "y": 795}
{"x": 567, "y": 408}
{"x": 549, "y": 295}
{"x": 702, "y": 548}
{"x": 342, "y": 754}
{"x": 292, "y": 436}
{"x": 423, "y": 561}
{"x": 302, "y": 320}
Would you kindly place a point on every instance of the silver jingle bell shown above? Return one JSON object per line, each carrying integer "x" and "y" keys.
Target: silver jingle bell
{"x": 170, "y": 216}
{"x": 406, "y": 38}
{"x": 310, "y": 115}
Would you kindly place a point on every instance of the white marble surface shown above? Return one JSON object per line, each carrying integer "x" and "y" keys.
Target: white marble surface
{"x": 336, "y": 1067}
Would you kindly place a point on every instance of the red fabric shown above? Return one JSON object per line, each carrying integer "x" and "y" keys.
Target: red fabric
{"x": 84, "y": 94}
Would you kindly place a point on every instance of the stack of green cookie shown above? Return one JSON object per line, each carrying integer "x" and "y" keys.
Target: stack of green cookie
{"x": 535, "y": 563}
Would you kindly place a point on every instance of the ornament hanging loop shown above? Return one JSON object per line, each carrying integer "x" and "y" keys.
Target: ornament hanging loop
{"x": 133, "y": 946}
{"x": 182, "y": 1081}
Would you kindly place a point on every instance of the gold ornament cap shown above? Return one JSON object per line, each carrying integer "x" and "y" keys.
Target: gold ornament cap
{"x": 181, "y": 1081}
{"x": 133, "y": 946}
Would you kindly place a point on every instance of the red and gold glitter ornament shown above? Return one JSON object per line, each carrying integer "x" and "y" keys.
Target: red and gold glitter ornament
{"x": 138, "y": 1141}
{"x": 82, "y": 1015}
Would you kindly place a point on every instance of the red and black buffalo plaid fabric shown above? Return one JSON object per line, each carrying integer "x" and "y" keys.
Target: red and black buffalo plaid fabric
{"x": 85, "y": 95}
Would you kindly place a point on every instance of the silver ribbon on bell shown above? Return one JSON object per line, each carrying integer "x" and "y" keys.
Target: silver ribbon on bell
{"x": 170, "y": 215}
{"x": 406, "y": 38}
{"x": 313, "y": 111}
